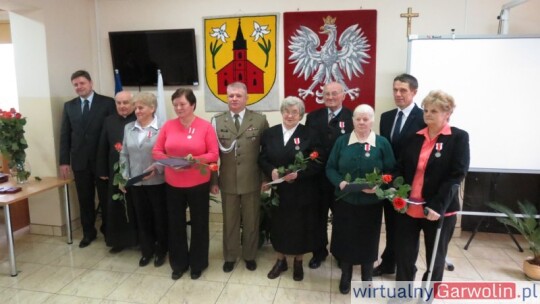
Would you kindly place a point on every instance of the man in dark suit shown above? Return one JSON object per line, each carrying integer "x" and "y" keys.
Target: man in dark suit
{"x": 239, "y": 133}
{"x": 330, "y": 122}
{"x": 79, "y": 136}
{"x": 397, "y": 125}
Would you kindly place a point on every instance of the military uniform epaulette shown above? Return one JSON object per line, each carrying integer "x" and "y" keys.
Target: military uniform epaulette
{"x": 220, "y": 114}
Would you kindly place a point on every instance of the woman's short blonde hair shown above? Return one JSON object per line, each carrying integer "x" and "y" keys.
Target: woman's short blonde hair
{"x": 291, "y": 101}
{"x": 364, "y": 109}
{"x": 440, "y": 99}
{"x": 146, "y": 98}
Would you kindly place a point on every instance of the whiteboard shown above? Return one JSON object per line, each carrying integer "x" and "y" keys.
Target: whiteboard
{"x": 495, "y": 82}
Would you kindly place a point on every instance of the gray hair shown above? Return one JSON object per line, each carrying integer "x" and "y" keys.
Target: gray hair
{"x": 364, "y": 109}
{"x": 146, "y": 98}
{"x": 291, "y": 101}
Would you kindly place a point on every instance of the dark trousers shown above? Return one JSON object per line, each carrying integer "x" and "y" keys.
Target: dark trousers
{"x": 388, "y": 256}
{"x": 408, "y": 242}
{"x": 151, "y": 214}
{"x": 197, "y": 198}
{"x": 87, "y": 183}
{"x": 325, "y": 203}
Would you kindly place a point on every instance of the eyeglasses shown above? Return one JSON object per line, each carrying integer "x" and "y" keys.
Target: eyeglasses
{"x": 332, "y": 94}
{"x": 291, "y": 113}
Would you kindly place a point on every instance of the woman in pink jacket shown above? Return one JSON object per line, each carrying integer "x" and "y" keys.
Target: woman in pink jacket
{"x": 185, "y": 137}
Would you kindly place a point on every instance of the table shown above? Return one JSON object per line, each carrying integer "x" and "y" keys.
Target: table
{"x": 32, "y": 187}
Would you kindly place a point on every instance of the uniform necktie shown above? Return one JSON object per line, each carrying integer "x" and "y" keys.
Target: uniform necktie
{"x": 237, "y": 121}
{"x": 397, "y": 127}
{"x": 86, "y": 110}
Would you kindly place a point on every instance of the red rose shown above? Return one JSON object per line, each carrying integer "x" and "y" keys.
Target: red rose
{"x": 213, "y": 167}
{"x": 314, "y": 155}
{"x": 18, "y": 115}
{"x": 386, "y": 178}
{"x": 7, "y": 114}
{"x": 399, "y": 203}
{"x": 118, "y": 146}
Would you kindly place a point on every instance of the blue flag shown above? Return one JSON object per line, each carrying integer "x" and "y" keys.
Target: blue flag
{"x": 117, "y": 82}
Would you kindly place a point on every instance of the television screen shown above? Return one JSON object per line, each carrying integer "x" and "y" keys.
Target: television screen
{"x": 139, "y": 54}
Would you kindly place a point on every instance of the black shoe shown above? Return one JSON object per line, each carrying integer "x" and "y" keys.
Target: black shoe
{"x": 298, "y": 270}
{"x": 228, "y": 266}
{"x": 116, "y": 250}
{"x": 279, "y": 267}
{"x": 177, "y": 274}
{"x": 195, "y": 274}
{"x": 316, "y": 261}
{"x": 382, "y": 269}
{"x": 86, "y": 241}
{"x": 159, "y": 260}
{"x": 144, "y": 261}
{"x": 251, "y": 265}
{"x": 346, "y": 276}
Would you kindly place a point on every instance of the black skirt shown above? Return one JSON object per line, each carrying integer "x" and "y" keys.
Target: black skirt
{"x": 355, "y": 232}
{"x": 293, "y": 229}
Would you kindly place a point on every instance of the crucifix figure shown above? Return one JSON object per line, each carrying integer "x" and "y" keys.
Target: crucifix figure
{"x": 409, "y": 15}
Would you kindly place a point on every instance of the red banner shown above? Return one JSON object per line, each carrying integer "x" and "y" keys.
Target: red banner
{"x": 321, "y": 47}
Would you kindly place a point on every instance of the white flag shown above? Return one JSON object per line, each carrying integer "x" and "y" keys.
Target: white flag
{"x": 161, "y": 112}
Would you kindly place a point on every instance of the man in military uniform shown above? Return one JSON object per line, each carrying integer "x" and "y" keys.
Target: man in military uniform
{"x": 239, "y": 132}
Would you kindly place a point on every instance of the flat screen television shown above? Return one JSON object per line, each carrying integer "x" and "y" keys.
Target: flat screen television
{"x": 139, "y": 54}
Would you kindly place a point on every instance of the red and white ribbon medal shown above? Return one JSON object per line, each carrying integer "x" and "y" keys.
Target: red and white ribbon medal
{"x": 191, "y": 131}
{"x": 438, "y": 148}
{"x": 149, "y": 135}
{"x": 297, "y": 143}
{"x": 342, "y": 127}
{"x": 367, "y": 148}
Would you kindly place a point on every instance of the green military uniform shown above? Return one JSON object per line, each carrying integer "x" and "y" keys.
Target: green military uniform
{"x": 239, "y": 181}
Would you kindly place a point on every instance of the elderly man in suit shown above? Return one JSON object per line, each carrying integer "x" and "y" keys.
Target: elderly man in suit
{"x": 330, "y": 122}
{"x": 397, "y": 125}
{"x": 239, "y": 133}
{"x": 82, "y": 121}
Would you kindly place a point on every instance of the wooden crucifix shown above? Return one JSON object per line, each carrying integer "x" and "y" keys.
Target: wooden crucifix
{"x": 409, "y": 15}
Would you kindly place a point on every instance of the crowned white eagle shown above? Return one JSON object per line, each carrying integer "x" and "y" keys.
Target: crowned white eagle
{"x": 330, "y": 62}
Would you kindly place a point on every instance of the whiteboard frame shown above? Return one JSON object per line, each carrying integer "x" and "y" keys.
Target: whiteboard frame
{"x": 418, "y": 99}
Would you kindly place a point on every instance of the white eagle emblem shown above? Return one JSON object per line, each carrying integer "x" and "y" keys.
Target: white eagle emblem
{"x": 329, "y": 64}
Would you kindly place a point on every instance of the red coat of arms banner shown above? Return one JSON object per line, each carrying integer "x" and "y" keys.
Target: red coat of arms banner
{"x": 322, "y": 47}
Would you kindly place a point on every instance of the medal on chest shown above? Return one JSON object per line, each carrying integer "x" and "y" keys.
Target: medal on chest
{"x": 297, "y": 143}
{"x": 438, "y": 148}
{"x": 191, "y": 131}
{"x": 367, "y": 148}
{"x": 342, "y": 127}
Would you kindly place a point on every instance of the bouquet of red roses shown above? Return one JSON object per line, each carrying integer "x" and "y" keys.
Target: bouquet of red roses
{"x": 397, "y": 193}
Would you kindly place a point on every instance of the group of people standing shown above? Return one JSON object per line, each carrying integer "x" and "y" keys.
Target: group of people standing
{"x": 334, "y": 143}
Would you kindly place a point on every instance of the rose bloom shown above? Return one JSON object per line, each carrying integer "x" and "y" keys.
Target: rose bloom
{"x": 386, "y": 178}
{"x": 118, "y": 146}
{"x": 213, "y": 167}
{"x": 314, "y": 155}
{"x": 399, "y": 203}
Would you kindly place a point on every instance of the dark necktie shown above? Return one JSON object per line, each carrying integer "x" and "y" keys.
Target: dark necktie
{"x": 237, "y": 121}
{"x": 330, "y": 117}
{"x": 397, "y": 127}
{"x": 86, "y": 110}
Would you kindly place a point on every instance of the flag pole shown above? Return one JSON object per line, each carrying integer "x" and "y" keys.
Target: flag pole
{"x": 161, "y": 110}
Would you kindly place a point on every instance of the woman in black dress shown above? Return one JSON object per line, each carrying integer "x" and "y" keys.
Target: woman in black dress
{"x": 294, "y": 220}
{"x": 120, "y": 232}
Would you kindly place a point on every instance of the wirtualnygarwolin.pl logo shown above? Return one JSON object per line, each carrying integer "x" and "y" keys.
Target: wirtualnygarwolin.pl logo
{"x": 446, "y": 292}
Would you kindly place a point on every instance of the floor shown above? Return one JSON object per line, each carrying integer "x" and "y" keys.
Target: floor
{"x": 53, "y": 272}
